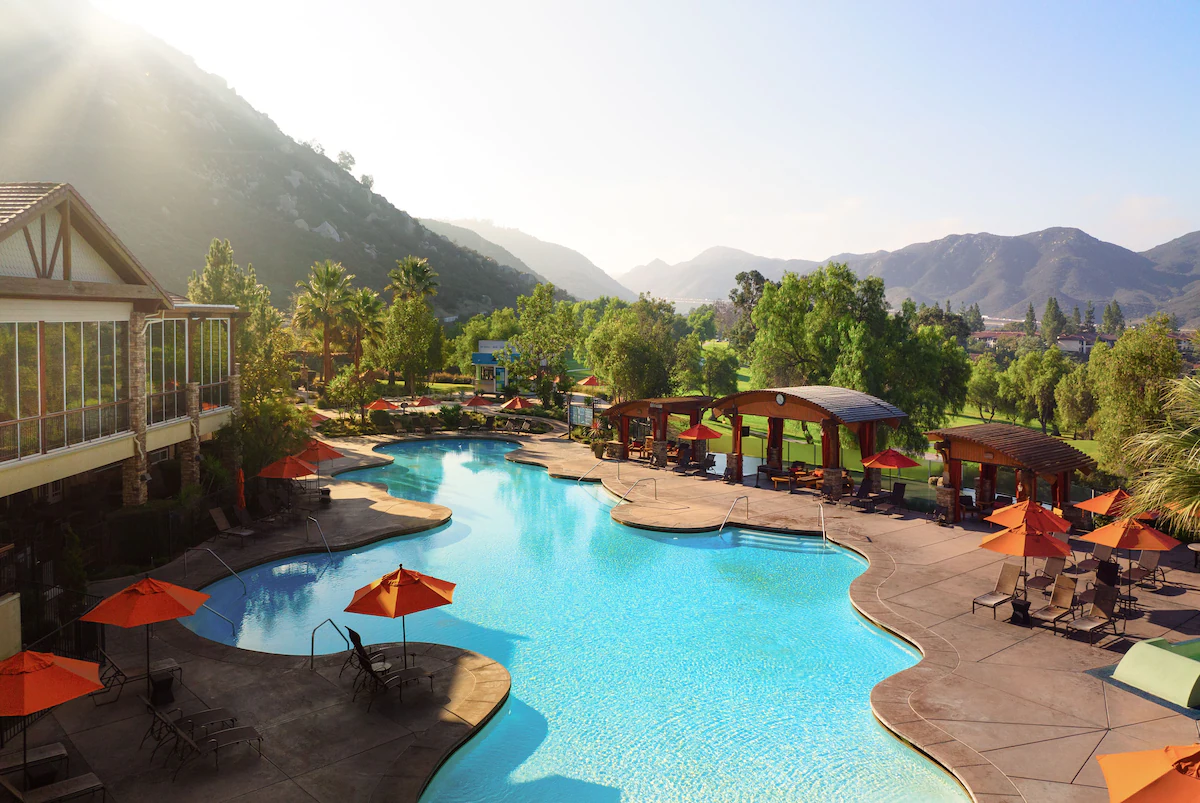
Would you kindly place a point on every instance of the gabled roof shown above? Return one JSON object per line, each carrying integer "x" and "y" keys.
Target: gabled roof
{"x": 18, "y": 199}
{"x": 1026, "y": 447}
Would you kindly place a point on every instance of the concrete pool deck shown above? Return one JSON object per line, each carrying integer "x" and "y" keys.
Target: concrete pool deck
{"x": 1010, "y": 711}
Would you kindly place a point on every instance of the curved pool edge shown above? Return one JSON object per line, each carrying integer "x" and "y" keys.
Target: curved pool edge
{"x": 890, "y": 701}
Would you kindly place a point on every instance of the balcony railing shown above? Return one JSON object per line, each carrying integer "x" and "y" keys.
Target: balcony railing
{"x": 41, "y": 434}
{"x": 166, "y": 406}
{"x": 214, "y": 396}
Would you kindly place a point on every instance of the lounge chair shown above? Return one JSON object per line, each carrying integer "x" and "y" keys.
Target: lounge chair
{"x": 223, "y": 528}
{"x": 358, "y": 656}
{"x": 894, "y": 500}
{"x": 374, "y": 682}
{"x": 114, "y": 677}
{"x": 1100, "y": 616}
{"x": 1062, "y": 602}
{"x": 164, "y": 725}
{"x": 702, "y": 469}
{"x": 1006, "y": 589}
{"x": 1100, "y": 554}
{"x": 189, "y": 749}
{"x": 861, "y": 498}
{"x": 1044, "y": 577}
{"x": 1147, "y": 567}
{"x": 68, "y": 789}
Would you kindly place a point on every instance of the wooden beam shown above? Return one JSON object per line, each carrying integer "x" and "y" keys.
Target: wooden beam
{"x": 45, "y": 264}
{"x": 54, "y": 257}
{"x": 65, "y": 228}
{"x": 32, "y": 252}
{"x": 21, "y": 287}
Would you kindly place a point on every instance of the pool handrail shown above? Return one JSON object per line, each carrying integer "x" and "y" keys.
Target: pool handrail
{"x": 312, "y": 655}
{"x": 636, "y": 484}
{"x": 589, "y": 471}
{"x": 824, "y": 536}
{"x": 232, "y": 626}
{"x": 245, "y": 590}
{"x": 308, "y": 534}
{"x": 730, "y": 511}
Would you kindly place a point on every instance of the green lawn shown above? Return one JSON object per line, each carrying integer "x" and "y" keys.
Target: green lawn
{"x": 1090, "y": 448}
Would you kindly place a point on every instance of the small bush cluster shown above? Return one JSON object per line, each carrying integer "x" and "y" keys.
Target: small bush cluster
{"x": 450, "y": 378}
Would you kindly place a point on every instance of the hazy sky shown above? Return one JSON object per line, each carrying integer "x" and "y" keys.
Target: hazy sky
{"x": 634, "y": 130}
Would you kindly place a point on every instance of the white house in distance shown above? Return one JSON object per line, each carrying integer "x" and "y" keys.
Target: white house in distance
{"x": 1081, "y": 345}
{"x": 101, "y": 369}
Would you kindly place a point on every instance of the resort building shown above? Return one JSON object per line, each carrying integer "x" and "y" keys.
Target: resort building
{"x": 102, "y": 371}
{"x": 490, "y": 375}
{"x": 1081, "y": 345}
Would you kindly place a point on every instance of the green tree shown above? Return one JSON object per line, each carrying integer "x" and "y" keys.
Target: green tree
{"x": 1030, "y": 325}
{"x": 1075, "y": 325}
{"x": 1129, "y": 379}
{"x": 221, "y": 281}
{"x": 1113, "y": 322}
{"x": 1076, "y": 402}
{"x": 974, "y": 318}
{"x": 1167, "y": 477}
{"x": 345, "y": 161}
{"x": 983, "y": 391}
{"x": 367, "y": 181}
{"x": 1035, "y": 377}
{"x": 1089, "y": 319}
{"x": 547, "y": 331}
{"x": 413, "y": 277}
{"x": 954, "y": 325}
{"x": 350, "y": 390}
{"x": 264, "y": 431}
{"x": 403, "y": 347}
{"x": 688, "y": 371}
{"x": 703, "y": 322}
{"x": 745, "y": 297}
{"x": 321, "y": 303}
{"x": 1053, "y": 321}
{"x": 633, "y": 349}
{"x": 363, "y": 319}
{"x": 271, "y": 368}
{"x": 720, "y": 371}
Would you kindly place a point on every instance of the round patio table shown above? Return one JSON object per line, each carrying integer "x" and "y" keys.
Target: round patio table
{"x": 1195, "y": 547}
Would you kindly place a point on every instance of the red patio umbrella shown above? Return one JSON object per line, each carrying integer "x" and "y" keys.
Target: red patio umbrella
{"x": 381, "y": 404}
{"x": 890, "y": 458}
{"x": 316, "y": 419}
{"x": 699, "y": 433}
{"x": 517, "y": 403}
{"x": 1131, "y": 534}
{"x": 1031, "y": 513}
{"x": 315, "y": 452}
{"x": 288, "y": 468}
{"x": 400, "y": 593}
{"x": 1111, "y": 504}
{"x": 1027, "y": 542}
{"x": 34, "y": 681}
{"x": 424, "y": 401}
{"x": 478, "y": 401}
{"x": 590, "y": 382}
{"x": 144, "y": 603}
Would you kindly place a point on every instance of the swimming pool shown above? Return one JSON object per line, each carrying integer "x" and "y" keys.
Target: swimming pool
{"x": 645, "y": 667}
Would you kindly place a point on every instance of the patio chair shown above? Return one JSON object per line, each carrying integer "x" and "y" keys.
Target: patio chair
{"x": 69, "y": 789}
{"x": 223, "y": 528}
{"x": 860, "y": 498}
{"x": 165, "y": 724}
{"x": 896, "y": 500}
{"x": 1100, "y": 554}
{"x": 1147, "y": 568}
{"x": 189, "y": 749}
{"x": 1006, "y": 589}
{"x": 1044, "y": 577}
{"x": 967, "y": 504}
{"x": 1062, "y": 602}
{"x": 1100, "y": 615}
{"x": 359, "y": 657}
{"x": 702, "y": 469}
{"x": 374, "y": 682}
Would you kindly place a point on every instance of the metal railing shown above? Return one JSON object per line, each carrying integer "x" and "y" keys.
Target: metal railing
{"x": 214, "y": 396}
{"x": 589, "y": 471}
{"x": 730, "y": 511}
{"x": 824, "y": 535}
{"x": 308, "y": 534}
{"x": 215, "y": 612}
{"x": 36, "y": 435}
{"x": 245, "y": 590}
{"x": 636, "y": 484}
{"x": 312, "y": 655}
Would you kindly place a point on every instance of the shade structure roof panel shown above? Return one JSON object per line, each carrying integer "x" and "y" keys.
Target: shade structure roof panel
{"x": 640, "y": 408}
{"x": 813, "y": 403}
{"x": 1025, "y": 447}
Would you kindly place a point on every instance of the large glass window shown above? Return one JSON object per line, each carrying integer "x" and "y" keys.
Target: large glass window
{"x": 210, "y": 363}
{"x": 166, "y": 370}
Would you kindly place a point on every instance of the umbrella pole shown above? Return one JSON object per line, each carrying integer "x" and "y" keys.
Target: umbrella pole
{"x": 404, "y": 635}
{"x": 25, "y": 757}
{"x": 149, "y": 684}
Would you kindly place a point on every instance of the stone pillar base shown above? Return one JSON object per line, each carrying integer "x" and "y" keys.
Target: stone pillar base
{"x": 947, "y": 498}
{"x": 658, "y": 453}
{"x": 873, "y": 477}
{"x": 133, "y": 490}
{"x": 985, "y": 492}
{"x": 832, "y": 484}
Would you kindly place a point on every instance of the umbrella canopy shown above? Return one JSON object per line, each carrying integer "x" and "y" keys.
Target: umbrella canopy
{"x": 1112, "y": 504}
{"x": 381, "y": 404}
{"x": 239, "y": 482}
{"x": 590, "y": 382}
{"x": 1131, "y": 534}
{"x": 889, "y": 458}
{"x": 424, "y": 401}
{"x": 34, "y": 681}
{"x": 699, "y": 433}
{"x": 1168, "y": 775}
{"x": 1031, "y": 514}
{"x": 316, "y": 419}
{"x": 400, "y": 593}
{"x": 1026, "y": 542}
{"x": 289, "y": 468}
{"x": 517, "y": 403}
{"x": 316, "y": 451}
{"x": 477, "y": 401}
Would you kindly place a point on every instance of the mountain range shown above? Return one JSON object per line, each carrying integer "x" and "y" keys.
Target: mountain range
{"x": 568, "y": 269}
{"x": 1003, "y": 274}
{"x": 171, "y": 157}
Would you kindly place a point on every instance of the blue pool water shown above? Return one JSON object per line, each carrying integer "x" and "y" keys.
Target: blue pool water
{"x": 645, "y": 667}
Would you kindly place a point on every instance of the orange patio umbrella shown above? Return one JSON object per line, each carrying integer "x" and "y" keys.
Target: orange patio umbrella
{"x": 1167, "y": 775}
{"x": 1131, "y": 534}
{"x": 34, "y": 681}
{"x": 316, "y": 419}
{"x": 889, "y": 458}
{"x": 699, "y": 433}
{"x": 1111, "y": 504}
{"x": 381, "y": 404}
{"x": 1030, "y": 513}
{"x": 424, "y": 401}
{"x": 400, "y": 593}
{"x": 517, "y": 403}
{"x": 144, "y": 603}
{"x": 477, "y": 401}
{"x": 288, "y": 468}
{"x": 315, "y": 452}
{"x": 1026, "y": 542}
{"x": 591, "y": 382}
{"x": 239, "y": 482}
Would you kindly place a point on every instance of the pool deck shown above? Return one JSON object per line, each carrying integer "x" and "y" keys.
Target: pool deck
{"x": 1010, "y": 711}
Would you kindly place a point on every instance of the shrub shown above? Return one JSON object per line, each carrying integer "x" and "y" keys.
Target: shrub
{"x": 382, "y": 421}
{"x": 451, "y": 416}
{"x": 451, "y": 379}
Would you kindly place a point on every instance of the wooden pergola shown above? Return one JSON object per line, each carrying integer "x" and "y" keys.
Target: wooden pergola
{"x": 1031, "y": 453}
{"x": 831, "y": 407}
{"x": 657, "y": 411}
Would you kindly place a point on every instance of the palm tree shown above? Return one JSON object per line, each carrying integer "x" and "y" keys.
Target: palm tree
{"x": 363, "y": 320}
{"x": 412, "y": 278}
{"x": 1169, "y": 457}
{"x": 322, "y": 301}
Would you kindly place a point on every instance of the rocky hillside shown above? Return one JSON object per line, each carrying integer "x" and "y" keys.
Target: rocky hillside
{"x": 171, "y": 157}
{"x": 569, "y": 270}
{"x": 1003, "y": 274}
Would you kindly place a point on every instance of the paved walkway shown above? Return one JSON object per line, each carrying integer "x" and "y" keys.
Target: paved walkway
{"x": 1009, "y": 710}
